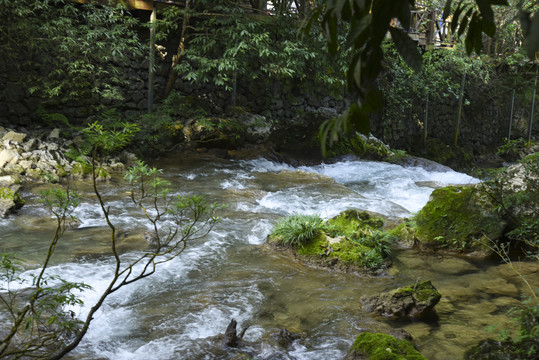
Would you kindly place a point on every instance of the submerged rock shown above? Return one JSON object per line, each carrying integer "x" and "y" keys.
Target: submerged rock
{"x": 491, "y": 350}
{"x": 285, "y": 338}
{"x": 412, "y": 302}
{"x": 377, "y": 346}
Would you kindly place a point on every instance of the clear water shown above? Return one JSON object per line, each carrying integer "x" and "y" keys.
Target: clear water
{"x": 179, "y": 312}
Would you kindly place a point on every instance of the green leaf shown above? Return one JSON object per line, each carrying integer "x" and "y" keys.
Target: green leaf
{"x": 447, "y": 9}
{"x": 374, "y": 101}
{"x": 402, "y": 12}
{"x": 486, "y": 10}
{"x": 488, "y": 27}
{"x": 407, "y": 48}
{"x": 464, "y": 22}
{"x": 359, "y": 120}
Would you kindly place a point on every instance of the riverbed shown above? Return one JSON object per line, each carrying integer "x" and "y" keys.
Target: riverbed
{"x": 179, "y": 312}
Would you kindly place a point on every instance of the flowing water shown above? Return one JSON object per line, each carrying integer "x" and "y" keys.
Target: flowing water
{"x": 179, "y": 312}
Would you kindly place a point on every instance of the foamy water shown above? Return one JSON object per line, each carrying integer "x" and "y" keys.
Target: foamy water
{"x": 179, "y": 312}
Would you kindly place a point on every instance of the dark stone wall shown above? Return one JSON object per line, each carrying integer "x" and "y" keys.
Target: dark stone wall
{"x": 484, "y": 123}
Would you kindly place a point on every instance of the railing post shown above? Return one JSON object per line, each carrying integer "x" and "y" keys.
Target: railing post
{"x": 533, "y": 106}
{"x": 151, "y": 74}
{"x": 511, "y": 116}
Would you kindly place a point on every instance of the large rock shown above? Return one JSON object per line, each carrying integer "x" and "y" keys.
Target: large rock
{"x": 10, "y": 201}
{"x": 377, "y": 346}
{"x": 459, "y": 218}
{"x": 8, "y": 156}
{"x": 412, "y": 302}
{"x": 12, "y": 136}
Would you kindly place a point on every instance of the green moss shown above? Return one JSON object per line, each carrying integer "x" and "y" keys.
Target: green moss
{"x": 422, "y": 291}
{"x": 404, "y": 232}
{"x": 61, "y": 171}
{"x": 8, "y": 194}
{"x": 352, "y": 239}
{"x": 83, "y": 170}
{"x": 362, "y": 146}
{"x": 348, "y": 252}
{"x": 354, "y": 224}
{"x": 460, "y": 218}
{"x": 376, "y": 346}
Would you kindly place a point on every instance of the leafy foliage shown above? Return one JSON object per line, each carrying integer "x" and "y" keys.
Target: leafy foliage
{"x": 81, "y": 48}
{"x": 39, "y": 306}
{"x": 229, "y": 44}
{"x": 517, "y": 201}
{"x": 370, "y": 21}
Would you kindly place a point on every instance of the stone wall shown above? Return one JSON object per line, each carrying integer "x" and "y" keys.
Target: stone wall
{"x": 484, "y": 123}
{"x": 269, "y": 98}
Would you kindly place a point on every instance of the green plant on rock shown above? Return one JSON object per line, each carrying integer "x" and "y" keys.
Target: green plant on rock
{"x": 515, "y": 193}
{"x": 379, "y": 241}
{"x": 351, "y": 239}
{"x": 377, "y": 346}
{"x": 513, "y": 149}
{"x": 458, "y": 218}
{"x": 297, "y": 230}
{"x": 354, "y": 224}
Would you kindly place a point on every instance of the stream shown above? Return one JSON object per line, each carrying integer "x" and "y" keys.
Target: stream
{"x": 179, "y": 312}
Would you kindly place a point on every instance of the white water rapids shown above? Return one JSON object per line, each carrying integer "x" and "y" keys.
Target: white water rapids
{"x": 178, "y": 312}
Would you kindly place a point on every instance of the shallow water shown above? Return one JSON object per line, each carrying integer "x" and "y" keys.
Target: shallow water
{"x": 179, "y": 312}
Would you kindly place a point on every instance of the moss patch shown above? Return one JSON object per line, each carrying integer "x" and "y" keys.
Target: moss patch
{"x": 83, "y": 170}
{"x": 344, "y": 250}
{"x": 358, "y": 144}
{"x": 350, "y": 241}
{"x": 354, "y": 224}
{"x": 404, "y": 233}
{"x": 376, "y": 346}
{"x": 8, "y": 194}
{"x": 459, "y": 218}
{"x": 421, "y": 292}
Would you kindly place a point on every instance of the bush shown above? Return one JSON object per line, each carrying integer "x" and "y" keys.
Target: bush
{"x": 297, "y": 230}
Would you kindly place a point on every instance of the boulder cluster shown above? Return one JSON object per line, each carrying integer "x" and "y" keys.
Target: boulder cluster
{"x": 46, "y": 157}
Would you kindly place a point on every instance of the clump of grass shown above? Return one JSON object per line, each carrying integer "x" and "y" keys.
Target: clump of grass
{"x": 297, "y": 230}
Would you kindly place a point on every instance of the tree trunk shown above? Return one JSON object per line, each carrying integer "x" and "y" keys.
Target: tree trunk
{"x": 172, "y": 76}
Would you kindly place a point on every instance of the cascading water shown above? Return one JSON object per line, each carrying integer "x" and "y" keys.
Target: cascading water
{"x": 179, "y": 312}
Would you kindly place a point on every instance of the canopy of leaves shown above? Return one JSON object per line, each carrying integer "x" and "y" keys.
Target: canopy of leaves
{"x": 370, "y": 21}
{"x": 63, "y": 51}
{"x": 227, "y": 42}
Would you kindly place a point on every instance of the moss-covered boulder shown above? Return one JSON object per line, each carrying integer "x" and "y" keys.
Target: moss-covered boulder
{"x": 83, "y": 171}
{"x": 350, "y": 242}
{"x": 355, "y": 223}
{"x": 412, "y": 302}
{"x": 10, "y": 201}
{"x": 376, "y": 346}
{"x": 459, "y": 218}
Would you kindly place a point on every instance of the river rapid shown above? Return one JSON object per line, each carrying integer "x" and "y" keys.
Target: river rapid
{"x": 179, "y": 312}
